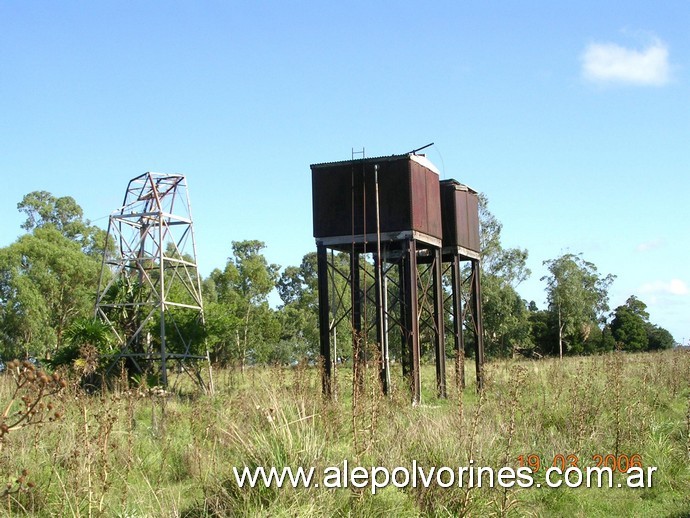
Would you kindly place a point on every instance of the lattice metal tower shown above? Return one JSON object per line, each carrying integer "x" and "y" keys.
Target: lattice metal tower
{"x": 149, "y": 291}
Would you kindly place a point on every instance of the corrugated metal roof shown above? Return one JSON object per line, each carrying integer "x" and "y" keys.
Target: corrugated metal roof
{"x": 420, "y": 159}
{"x": 459, "y": 186}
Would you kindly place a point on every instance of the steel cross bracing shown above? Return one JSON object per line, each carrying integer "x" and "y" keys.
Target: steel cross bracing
{"x": 150, "y": 290}
{"x": 377, "y": 295}
{"x": 463, "y": 306}
{"x": 430, "y": 289}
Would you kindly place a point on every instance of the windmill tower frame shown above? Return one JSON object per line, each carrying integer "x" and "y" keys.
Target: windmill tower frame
{"x": 149, "y": 291}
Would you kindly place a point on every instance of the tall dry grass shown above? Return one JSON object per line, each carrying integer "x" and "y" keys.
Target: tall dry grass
{"x": 145, "y": 452}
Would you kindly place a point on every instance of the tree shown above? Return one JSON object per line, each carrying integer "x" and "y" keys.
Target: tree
{"x": 506, "y": 320}
{"x": 659, "y": 338}
{"x": 542, "y": 330}
{"x": 608, "y": 342}
{"x": 633, "y": 331}
{"x": 222, "y": 325}
{"x": 578, "y": 298}
{"x": 299, "y": 313}
{"x": 509, "y": 264}
{"x": 42, "y": 209}
{"x": 46, "y": 283}
{"x": 629, "y": 325}
{"x": 298, "y": 284}
{"x": 242, "y": 290}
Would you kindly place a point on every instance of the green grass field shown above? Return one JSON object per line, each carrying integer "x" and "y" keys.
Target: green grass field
{"x": 143, "y": 453}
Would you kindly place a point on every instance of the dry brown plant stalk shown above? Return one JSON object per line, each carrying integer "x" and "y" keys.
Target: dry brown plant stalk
{"x": 31, "y": 387}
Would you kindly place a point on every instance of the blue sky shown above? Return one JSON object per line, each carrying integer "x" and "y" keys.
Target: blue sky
{"x": 572, "y": 117}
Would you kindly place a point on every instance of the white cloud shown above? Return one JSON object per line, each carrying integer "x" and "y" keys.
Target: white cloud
{"x": 672, "y": 287}
{"x": 650, "y": 245}
{"x": 611, "y": 63}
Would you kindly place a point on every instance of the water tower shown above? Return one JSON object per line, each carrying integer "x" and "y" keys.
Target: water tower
{"x": 389, "y": 207}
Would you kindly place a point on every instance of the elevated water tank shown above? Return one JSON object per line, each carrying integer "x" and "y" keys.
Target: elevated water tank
{"x": 460, "y": 213}
{"x": 344, "y": 199}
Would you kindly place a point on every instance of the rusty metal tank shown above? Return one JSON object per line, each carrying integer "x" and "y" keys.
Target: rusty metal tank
{"x": 460, "y": 214}
{"x": 409, "y": 198}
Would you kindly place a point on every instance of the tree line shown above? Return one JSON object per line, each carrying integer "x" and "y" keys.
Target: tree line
{"x": 49, "y": 278}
